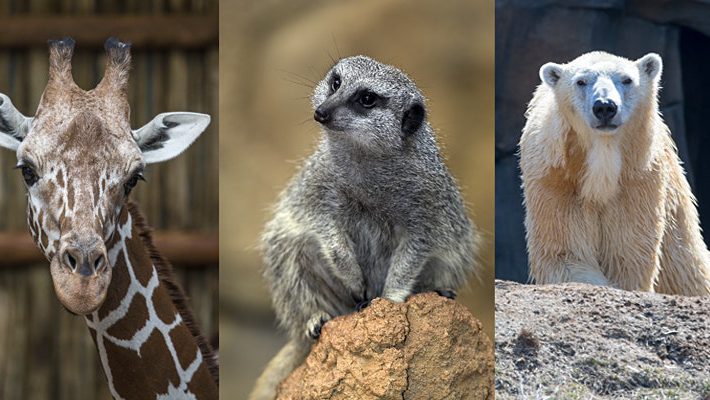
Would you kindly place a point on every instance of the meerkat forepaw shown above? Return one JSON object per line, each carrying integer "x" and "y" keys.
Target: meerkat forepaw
{"x": 362, "y": 305}
{"x": 315, "y": 325}
{"x": 397, "y": 296}
{"x": 448, "y": 293}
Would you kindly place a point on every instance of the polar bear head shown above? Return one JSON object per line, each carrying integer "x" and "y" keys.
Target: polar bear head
{"x": 600, "y": 92}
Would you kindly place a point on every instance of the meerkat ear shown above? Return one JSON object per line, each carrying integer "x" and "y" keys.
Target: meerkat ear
{"x": 413, "y": 118}
{"x": 13, "y": 125}
{"x": 551, "y": 73}
{"x": 169, "y": 134}
{"x": 651, "y": 64}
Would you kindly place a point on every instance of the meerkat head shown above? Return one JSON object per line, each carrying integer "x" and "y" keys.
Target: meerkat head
{"x": 368, "y": 103}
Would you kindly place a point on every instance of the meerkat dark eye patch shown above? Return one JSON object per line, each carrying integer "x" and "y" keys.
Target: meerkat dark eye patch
{"x": 413, "y": 118}
{"x": 368, "y": 99}
{"x": 364, "y": 100}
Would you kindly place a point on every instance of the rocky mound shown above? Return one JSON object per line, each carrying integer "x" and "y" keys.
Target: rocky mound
{"x": 580, "y": 341}
{"x": 427, "y": 348}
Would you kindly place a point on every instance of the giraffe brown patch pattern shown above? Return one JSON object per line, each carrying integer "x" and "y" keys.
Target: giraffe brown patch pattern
{"x": 182, "y": 351}
{"x": 125, "y": 329}
{"x": 185, "y": 354}
{"x": 167, "y": 278}
{"x": 132, "y": 369}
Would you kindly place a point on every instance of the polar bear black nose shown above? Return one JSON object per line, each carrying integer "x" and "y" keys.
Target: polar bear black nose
{"x": 604, "y": 110}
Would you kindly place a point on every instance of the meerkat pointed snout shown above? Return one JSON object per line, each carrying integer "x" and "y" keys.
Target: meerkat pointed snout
{"x": 373, "y": 212}
{"x": 322, "y": 115}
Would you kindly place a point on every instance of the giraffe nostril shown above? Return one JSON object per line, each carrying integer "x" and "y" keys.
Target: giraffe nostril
{"x": 99, "y": 263}
{"x": 71, "y": 261}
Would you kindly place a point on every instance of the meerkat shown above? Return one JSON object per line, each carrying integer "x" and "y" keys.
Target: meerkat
{"x": 374, "y": 212}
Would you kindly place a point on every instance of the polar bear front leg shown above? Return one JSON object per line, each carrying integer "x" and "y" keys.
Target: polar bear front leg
{"x": 551, "y": 271}
{"x": 561, "y": 237}
{"x": 585, "y": 273}
{"x": 685, "y": 260}
{"x": 632, "y": 232}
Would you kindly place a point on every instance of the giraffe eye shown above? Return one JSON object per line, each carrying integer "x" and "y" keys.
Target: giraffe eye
{"x": 28, "y": 174}
{"x": 132, "y": 182}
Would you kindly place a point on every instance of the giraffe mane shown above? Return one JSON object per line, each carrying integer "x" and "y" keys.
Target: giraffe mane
{"x": 166, "y": 276}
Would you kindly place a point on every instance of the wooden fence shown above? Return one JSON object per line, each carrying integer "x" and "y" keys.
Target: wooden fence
{"x": 45, "y": 352}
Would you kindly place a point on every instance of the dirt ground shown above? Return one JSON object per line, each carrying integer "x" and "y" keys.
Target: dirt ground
{"x": 578, "y": 341}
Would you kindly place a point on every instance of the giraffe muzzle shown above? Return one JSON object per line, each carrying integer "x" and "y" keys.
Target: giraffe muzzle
{"x": 81, "y": 276}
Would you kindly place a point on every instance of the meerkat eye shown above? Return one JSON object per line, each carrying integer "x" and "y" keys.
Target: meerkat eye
{"x": 368, "y": 99}
{"x": 132, "y": 182}
{"x": 581, "y": 83}
{"x": 28, "y": 174}
{"x": 627, "y": 81}
{"x": 335, "y": 83}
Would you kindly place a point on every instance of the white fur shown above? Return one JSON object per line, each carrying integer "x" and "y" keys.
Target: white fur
{"x": 601, "y": 177}
{"x": 188, "y": 126}
{"x": 19, "y": 124}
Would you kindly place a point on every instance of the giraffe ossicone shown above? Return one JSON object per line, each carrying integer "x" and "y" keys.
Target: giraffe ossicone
{"x": 80, "y": 159}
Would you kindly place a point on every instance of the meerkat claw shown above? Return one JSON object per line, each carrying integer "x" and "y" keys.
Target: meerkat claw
{"x": 362, "y": 305}
{"x": 315, "y": 325}
{"x": 448, "y": 293}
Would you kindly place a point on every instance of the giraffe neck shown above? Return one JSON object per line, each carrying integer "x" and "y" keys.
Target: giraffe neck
{"x": 147, "y": 342}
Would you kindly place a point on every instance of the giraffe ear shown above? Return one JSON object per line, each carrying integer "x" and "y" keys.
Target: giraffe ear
{"x": 169, "y": 134}
{"x": 13, "y": 125}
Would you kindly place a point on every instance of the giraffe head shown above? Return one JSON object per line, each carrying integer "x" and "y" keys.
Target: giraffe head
{"x": 80, "y": 159}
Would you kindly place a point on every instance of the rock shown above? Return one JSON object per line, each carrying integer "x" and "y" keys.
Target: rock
{"x": 582, "y": 341}
{"x": 427, "y": 348}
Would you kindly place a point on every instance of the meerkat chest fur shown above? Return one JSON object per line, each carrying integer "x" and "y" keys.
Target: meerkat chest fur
{"x": 374, "y": 237}
{"x": 376, "y": 197}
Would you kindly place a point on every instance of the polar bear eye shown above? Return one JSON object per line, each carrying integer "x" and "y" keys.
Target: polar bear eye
{"x": 581, "y": 83}
{"x": 627, "y": 81}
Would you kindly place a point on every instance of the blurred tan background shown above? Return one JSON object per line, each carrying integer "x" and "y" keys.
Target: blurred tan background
{"x": 269, "y": 53}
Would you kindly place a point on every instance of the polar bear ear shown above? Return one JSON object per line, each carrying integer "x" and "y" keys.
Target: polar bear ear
{"x": 651, "y": 65}
{"x": 551, "y": 73}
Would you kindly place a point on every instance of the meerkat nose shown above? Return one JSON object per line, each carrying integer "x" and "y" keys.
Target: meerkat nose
{"x": 321, "y": 115}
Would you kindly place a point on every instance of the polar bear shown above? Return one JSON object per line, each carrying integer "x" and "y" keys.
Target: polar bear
{"x": 606, "y": 198}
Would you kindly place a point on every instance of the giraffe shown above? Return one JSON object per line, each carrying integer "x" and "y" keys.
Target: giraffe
{"x": 80, "y": 159}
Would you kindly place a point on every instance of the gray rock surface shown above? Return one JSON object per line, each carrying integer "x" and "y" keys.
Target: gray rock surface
{"x": 576, "y": 341}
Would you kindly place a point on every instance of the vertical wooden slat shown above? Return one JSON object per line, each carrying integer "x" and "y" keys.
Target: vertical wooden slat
{"x": 211, "y": 205}
{"x": 40, "y": 355}
{"x": 16, "y": 360}
{"x": 5, "y": 327}
{"x": 6, "y": 157}
{"x": 176, "y": 186}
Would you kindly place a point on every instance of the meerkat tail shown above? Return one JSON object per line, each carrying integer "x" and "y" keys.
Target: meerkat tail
{"x": 280, "y": 367}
